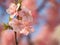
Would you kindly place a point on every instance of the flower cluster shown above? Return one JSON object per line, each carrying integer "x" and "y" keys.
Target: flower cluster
{"x": 20, "y": 20}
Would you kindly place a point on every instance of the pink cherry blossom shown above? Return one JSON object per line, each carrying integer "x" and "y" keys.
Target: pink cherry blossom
{"x": 30, "y": 4}
{"x": 12, "y": 9}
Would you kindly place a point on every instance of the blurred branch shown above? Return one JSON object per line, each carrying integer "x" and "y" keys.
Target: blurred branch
{"x": 42, "y": 6}
{"x": 29, "y": 39}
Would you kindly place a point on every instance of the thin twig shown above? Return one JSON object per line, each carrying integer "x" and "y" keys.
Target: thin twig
{"x": 16, "y": 38}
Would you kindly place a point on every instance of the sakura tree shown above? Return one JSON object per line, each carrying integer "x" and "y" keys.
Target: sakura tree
{"x": 24, "y": 14}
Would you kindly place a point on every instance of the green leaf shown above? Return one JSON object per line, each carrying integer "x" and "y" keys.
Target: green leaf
{"x": 10, "y": 19}
{"x": 19, "y": 1}
{"x": 6, "y": 26}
